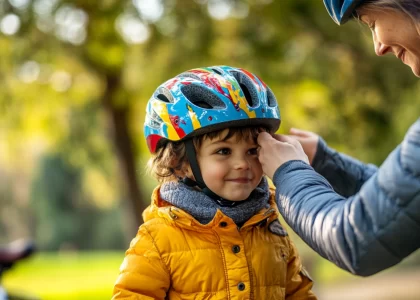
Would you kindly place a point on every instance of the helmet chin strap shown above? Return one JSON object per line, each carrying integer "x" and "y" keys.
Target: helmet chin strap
{"x": 192, "y": 158}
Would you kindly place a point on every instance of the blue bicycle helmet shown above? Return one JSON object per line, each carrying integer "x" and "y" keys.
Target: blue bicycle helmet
{"x": 203, "y": 100}
{"x": 341, "y": 10}
{"x": 208, "y": 99}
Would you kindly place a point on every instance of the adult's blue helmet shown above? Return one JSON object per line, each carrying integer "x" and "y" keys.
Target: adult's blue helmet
{"x": 341, "y": 10}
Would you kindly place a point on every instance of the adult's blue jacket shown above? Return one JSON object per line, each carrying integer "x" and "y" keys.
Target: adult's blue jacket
{"x": 374, "y": 220}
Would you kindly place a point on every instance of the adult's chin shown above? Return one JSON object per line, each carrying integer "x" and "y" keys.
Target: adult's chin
{"x": 416, "y": 71}
{"x": 415, "y": 67}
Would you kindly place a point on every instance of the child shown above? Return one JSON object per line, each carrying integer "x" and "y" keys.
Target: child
{"x": 212, "y": 229}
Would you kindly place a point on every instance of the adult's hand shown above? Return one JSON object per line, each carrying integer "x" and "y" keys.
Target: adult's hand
{"x": 276, "y": 149}
{"x": 308, "y": 140}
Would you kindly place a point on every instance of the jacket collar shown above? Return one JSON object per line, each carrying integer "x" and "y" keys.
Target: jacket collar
{"x": 161, "y": 208}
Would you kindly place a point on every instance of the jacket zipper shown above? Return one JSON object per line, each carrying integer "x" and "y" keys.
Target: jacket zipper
{"x": 251, "y": 280}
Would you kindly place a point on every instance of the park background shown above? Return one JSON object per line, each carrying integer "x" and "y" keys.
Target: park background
{"x": 75, "y": 76}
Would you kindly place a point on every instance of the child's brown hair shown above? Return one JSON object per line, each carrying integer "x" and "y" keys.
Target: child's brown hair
{"x": 170, "y": 161}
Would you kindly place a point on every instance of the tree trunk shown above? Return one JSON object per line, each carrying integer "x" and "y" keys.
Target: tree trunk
{"x": 118, "y": 116}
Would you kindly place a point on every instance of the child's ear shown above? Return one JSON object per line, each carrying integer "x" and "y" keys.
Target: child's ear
{"x": 184, "y": 171}
{"x": 188, "y": 172}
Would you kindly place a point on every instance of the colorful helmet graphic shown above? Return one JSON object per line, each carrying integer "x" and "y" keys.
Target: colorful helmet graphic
{"x": 208, "y": 99}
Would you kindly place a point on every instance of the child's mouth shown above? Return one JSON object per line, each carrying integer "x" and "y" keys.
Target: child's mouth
{"x": 240, "y": 180}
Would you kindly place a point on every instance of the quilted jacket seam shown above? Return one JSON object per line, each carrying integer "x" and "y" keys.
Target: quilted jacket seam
{"x": 384, "y": 229}
{"x": 406, "y": 170}
{"x": 158, "y": 250}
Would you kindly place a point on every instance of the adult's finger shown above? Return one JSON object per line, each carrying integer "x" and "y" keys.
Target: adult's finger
{"x": 282, "y": 138}
{"x": 299, "y": 132}
{"x": 263, "y": 137}
{"x": 287, "y": 139}
{"x": 277, "y": 137}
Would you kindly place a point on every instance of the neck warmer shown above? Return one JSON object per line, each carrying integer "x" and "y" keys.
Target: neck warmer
{"x": 203, "y": 208}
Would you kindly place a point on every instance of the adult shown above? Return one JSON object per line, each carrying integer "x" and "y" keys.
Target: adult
{"x": 372, "y": 219}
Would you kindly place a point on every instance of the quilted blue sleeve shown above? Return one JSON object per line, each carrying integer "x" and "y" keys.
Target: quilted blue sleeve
{"x": 344, "y": 173}
{"x": 368, "y": 232}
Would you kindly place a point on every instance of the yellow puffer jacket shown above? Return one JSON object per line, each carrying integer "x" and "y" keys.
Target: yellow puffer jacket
{"x": 173, "y": 256}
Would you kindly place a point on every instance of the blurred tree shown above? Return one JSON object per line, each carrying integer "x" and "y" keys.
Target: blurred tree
{"x": 67, "y": 217}
{"x": 69, "y": 62}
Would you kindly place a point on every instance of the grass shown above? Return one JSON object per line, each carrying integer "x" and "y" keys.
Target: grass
{"x": 91, "y": 275}
{"x": 85, "y": 275}
{"x": 57, "y": 276}
{"x": 88, "y": 275}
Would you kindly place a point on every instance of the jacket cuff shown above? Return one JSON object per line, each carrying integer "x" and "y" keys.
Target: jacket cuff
{"x": 323, "y": 152}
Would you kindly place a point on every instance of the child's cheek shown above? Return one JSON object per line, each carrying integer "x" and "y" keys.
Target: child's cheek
{"x": 214, "y": 171}
{"x": 257, "y": 168}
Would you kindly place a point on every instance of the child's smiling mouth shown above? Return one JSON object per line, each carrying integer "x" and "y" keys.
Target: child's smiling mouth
{"x": 240, "y": 180}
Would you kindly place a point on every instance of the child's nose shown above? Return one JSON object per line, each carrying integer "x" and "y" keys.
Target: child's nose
{"x": 242, "y": 163}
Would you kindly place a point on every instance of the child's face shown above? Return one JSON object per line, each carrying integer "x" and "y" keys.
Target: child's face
{"x": 230, "y": 168}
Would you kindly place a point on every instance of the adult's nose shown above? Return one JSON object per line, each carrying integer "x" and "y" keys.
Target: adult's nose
{"x": 380, "y": 49}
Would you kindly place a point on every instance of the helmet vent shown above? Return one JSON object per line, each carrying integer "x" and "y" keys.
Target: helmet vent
{"x": 248, "y": 88}
{"x": 217, "y": 71}
{"x": 164, "y": 95}
{"x": 155, "y": 116}
{"x": 153, "y": 119}
{"x": 163, "y": 98}
{"x": 202, "y": 97}
{"x": 247, "y": 94}
{"x": 152, "y": 123}
{"x": 190, "y": 75}
{"x": 272, "y": 101}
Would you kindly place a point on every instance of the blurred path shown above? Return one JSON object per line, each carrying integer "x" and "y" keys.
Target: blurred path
{"x": 384, "y": 286}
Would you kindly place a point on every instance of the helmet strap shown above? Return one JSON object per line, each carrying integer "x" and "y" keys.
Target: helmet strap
{"x": 192, "y": 159}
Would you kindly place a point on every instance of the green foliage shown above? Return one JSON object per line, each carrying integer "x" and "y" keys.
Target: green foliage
{"x": 59, "y": 83}
{"x": 66, "y": 217}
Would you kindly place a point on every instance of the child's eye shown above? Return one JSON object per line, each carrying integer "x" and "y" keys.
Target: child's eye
{"x": 371, "y": 26}
{"x": 253, "y": 151}
{"x": 224, "y": 151}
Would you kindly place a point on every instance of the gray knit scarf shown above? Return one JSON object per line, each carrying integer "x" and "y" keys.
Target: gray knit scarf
{"x": 203, "y": 208}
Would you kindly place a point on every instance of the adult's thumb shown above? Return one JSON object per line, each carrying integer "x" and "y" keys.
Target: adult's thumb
{"x": 298, "y": 132}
